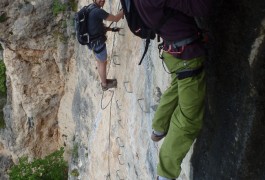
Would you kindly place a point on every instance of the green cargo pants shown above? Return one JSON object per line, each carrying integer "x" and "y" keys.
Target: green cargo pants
{"x": 179, "y": 114}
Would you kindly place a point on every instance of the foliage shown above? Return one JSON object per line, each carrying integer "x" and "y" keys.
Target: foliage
{"x": 58, "y": 7}
{"x": 3, "y": 18}
{"x": 2, "y": 77}
{"x": 75, "y": 173}
{"x": 2, "y": 121}
{"x": 73, "y": 5}
{"x": 2, "y": 91}
{"x": 75, "y": 151}
{"x": 52, "y": 167}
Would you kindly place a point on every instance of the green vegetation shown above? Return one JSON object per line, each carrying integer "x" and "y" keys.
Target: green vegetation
{"x": 2, "y": 77}
{"x": 58, "y": 7}
{"x": 75, "y": 151}
{"x": 73, "y": 5}
{"x": 2, "y": 121}
{"x": 75, "y": 173}
{"x": 60, "y": 36}
{"x": 52, "y": 167}
{"x": 2, "y": 92}
{"x": 3, "y": 18}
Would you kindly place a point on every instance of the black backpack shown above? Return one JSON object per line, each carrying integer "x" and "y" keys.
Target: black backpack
{"x": 139, "y": 28}
{"x": 137, "y": 25}
{"x": 81, "y": 24}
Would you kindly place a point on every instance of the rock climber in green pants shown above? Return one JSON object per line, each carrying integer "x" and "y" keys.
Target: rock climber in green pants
{"x": 179, "y": 116}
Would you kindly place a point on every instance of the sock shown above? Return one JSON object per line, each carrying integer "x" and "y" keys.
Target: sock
{"x": 158, "y": 133}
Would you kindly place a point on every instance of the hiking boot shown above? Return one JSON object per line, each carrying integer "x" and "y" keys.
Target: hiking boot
{"x": 111, "y": 83}
{"x": 156, "y": 137}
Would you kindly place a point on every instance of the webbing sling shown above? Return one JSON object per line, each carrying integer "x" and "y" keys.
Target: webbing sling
{"x": 189, "y": 73}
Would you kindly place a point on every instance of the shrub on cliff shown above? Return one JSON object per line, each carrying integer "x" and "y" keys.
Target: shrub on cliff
{"x": 52, "y": 167}
{"x": 3, "y": 18}
{"x": 2, "y": 77}
{"x": 58, "y": 7}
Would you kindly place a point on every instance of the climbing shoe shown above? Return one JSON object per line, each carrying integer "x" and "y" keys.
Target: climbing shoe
{"x": 156, "y": 137}
{"x": 111, "y": 83}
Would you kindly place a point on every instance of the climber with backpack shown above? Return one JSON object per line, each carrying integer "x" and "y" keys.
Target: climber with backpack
{"x": 179, "y": 116}
{"x": 91, "y": 31}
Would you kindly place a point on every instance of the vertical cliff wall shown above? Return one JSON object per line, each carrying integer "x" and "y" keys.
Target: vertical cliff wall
{"x": 55, "y": 98}
{"x": 37, "y": 54}
{"x": 113, "y": 128}
{"x": 231, "y": 145}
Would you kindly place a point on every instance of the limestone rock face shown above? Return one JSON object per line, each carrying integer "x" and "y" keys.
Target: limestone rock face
{"x": 55, "y": 98}
{"x": 38, "y": 55}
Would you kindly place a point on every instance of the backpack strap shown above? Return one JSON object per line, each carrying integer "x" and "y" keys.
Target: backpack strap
{"x": 147, "y": 42}
{"x": 168, "y": 13}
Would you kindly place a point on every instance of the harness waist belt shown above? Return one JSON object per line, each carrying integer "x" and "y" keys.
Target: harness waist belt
{"x": 189, "y": 73}
{"x": 177, "y": 44}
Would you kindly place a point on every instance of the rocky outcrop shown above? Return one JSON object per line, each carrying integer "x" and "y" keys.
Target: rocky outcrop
{"x": 38, "y": 52}
{"x": 231, "y": 145}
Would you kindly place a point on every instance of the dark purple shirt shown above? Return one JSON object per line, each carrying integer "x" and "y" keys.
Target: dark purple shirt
{"x": 181, "y": 25}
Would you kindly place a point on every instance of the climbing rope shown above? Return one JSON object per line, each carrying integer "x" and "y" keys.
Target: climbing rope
{"x": 108, "y": 176}
{"x": 109, "y": 100}
{"x": 109, "y": 103}
{"x": 108, "y": 71}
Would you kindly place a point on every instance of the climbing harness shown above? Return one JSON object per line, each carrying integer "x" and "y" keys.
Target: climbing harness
{"x": 177, "y": 48}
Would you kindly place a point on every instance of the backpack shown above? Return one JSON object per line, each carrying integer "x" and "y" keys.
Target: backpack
{"x": 140, "y": 29}
{"x": 81, "y": 24}
{"x": 136, "y": 24}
